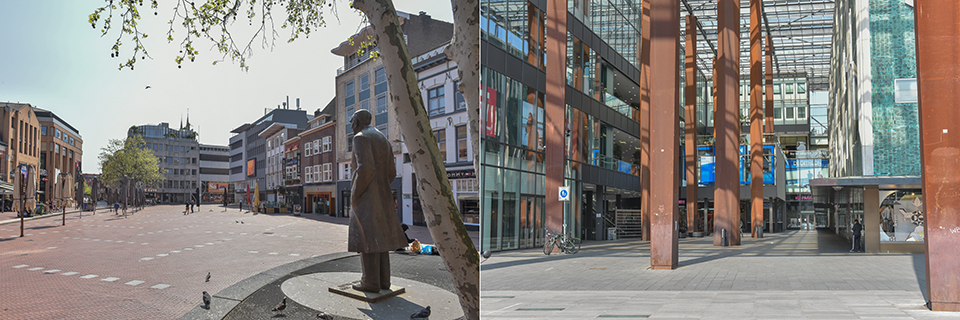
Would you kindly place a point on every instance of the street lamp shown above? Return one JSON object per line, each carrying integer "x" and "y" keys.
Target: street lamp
{"x": 63, "y": 176}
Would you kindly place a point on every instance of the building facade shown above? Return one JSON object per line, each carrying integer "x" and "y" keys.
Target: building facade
{"x": 362, "y": 84}
{"x": 177, "y": 152}
{"x": 276, "y": 136}
{"x": 20, "y": 132}
{"x": 438, "y": 80}
{"x": 61, "y": 150}
{"x": 248, "y": 152}
{"x": 214, "y": 166}
{"x": 319, "y": 164}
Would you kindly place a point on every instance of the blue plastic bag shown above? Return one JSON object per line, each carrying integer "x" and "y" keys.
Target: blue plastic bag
{"x": 426, "y": 249}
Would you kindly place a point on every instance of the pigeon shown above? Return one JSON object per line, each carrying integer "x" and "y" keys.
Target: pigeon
{"x": 206, "y": 300}
{"x": 281, "y": 306}
{"x": 148, "y": 87}
{"x": 208, "y": 277}
{"x": 423, "y": 314}
{"x": 324, "y": 316}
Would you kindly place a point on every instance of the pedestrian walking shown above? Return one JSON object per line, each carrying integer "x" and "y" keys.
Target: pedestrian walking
{"x": 857, "y": 238}
{"x": 116, "y": 208}
{"x": 191, "y": 206}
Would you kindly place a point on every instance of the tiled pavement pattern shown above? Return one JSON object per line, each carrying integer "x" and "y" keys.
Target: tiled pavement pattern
{"x": 96, "y": 267}
{"x": 790, "y": 275}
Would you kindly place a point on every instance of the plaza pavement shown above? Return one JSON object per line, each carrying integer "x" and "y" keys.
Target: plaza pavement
{"x": 151, "y": 263}
{"x": 798, "y": 274}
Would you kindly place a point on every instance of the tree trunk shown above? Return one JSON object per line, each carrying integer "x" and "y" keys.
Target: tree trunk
{"x": 439, "y": 206}
{"x": 464, "y": 49}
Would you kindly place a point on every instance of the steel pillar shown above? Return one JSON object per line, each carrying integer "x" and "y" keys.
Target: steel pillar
{"x": 554, "y": 108}
{"x": 768, "y": 74}
{"x": 756, "y": 122}
{"x": 645, "y": 121}
{"x": 664, "y": 133}
{"x": 690, "y": 122}
{"x": 938, "y": 68}
{"x": 727, "y": 123}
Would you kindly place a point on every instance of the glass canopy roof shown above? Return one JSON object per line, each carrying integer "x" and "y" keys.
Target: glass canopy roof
{"x": 801, "y": 31}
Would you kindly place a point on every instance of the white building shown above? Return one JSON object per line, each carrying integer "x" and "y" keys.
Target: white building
{"x": 448, "y": 117}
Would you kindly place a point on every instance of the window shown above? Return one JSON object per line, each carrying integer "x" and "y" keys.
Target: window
{"x": 801, "y": 112}
{"x": 306, "y": 149}
{"x": 462, "y": 143}
{"x": 435, "y": 103}
{"x": 381, "y": 78}
{"x": 43, "y": 130}
{"x": 381, "y": 110}
{"x": 441, "y": 135}
{"x": 788, "y": 113}
{"x": 776, "y": 88}
{"x": 316, "y": 173}
{"x": 350, "y": 143}
{"x": 801, "y": 87}
{"x": 788, "y": 88}
{"x": 349, "y": 101}
{"x": 327, "y": 172}
{"x": 306, "y": 174}
{"x": 326, "y": 144}
{"x": 316, "y": 146}
{"x": 459, "y": 103}
{"x": 345, "y": 172}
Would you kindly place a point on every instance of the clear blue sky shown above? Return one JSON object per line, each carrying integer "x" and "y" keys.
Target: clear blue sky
{"x": 53, "y": 59}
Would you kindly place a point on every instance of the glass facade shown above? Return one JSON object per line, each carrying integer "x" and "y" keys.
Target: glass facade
{"x": 515, "y": 26}
{"x": 513, "y": 168}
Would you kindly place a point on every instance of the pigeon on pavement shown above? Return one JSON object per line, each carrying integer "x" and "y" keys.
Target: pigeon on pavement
{"x": 206, "y": 300}
{"x": 208, "y": 277}
{"x": 324, "y": 316}
{"x": 423, "y": 314}
{"x": 281, "y": 306}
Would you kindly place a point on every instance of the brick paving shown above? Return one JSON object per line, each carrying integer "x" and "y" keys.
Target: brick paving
{"x": 152, "y": 263}
{"x": 790, "y": 275}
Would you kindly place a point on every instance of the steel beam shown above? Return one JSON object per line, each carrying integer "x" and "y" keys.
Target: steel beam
{"x": 690, "y": 122}
{"x": 664, "y": 133}
{"x": 768, "y": 74}
{"x": 727, "y": 192}
{"x": 756, "y": 122}
{"x": 555, "y": 109}
{"x": 938, "y": 68}
{"x": 645, "y": 121}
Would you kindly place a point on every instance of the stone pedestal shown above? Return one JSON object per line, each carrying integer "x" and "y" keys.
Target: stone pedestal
{"x": 347, "y": 289}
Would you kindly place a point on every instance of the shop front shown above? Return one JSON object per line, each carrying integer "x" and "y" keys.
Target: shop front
{"x": 320, "y": 199}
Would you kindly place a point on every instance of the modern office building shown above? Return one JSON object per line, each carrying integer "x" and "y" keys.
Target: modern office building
{"x": 362, "y": 84}
{"x": 874, "y": 128}
{"x": 438, "y": 79}
{"x": 61, "y": 148}
{"x": 176, "y": 150}
{"x": 248, "y": 152}
{"x": 214, "y": 166}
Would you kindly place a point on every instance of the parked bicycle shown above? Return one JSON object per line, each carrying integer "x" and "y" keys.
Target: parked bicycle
{"x": 566, "y": 243}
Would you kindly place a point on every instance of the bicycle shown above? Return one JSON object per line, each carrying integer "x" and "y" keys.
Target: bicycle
{"x": 566, "y": 243}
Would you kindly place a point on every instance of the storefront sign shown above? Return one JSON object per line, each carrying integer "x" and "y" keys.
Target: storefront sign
{"x": 803, "y": 197}
{"x": 460, "y": 174}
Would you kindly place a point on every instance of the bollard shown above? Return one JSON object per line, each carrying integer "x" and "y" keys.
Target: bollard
{"x": 724, "y": 240}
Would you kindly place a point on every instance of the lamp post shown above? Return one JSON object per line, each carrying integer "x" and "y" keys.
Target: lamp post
{"x": 23, "y": 191}
{"x": 63, "y": 176}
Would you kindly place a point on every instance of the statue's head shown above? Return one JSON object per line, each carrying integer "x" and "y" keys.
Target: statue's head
{"x": 361, "y": 119}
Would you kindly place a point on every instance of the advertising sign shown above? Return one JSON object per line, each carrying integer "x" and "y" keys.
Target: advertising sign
{"x": 217, "y": 187}
{"x": 252, "y": 167}
{"x": 490, "y": 97}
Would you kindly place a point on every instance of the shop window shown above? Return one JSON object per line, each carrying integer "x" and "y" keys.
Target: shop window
{"x": 901, "y": 215}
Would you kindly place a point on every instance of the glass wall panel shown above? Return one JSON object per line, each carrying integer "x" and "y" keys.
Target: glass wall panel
{"x": 901, "y": 215}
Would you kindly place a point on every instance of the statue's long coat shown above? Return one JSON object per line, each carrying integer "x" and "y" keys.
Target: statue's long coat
{"x": 374, "y": 224}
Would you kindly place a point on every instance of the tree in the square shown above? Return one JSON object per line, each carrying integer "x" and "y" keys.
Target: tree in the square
{"x": 128, "y": 161}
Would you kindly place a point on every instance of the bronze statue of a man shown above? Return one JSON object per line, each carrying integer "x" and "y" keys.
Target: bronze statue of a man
{"x": 374, "y": 225}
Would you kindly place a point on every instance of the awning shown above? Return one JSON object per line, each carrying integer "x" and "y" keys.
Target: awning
{"x": 6, "y": 187}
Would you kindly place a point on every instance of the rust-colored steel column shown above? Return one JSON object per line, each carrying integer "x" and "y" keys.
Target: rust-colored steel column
{"x": 756, "y": 122}
{"x": 938, "y": 68}
{"x": 664, "y": 133}
{"x": 690, "y": 122}
{"x": 554, "y": 108}
{"x": 726, "y": 215}
{"x": 768, "y": 67}
{"x": 645, "y": 121}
